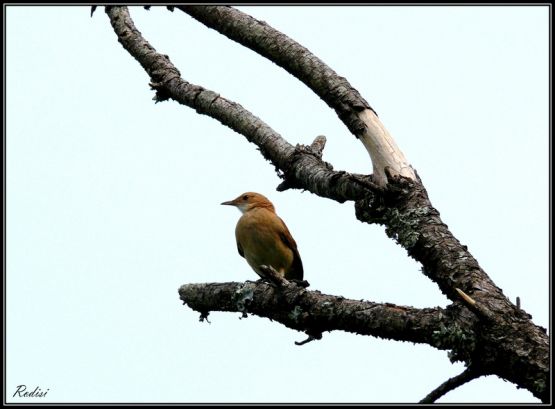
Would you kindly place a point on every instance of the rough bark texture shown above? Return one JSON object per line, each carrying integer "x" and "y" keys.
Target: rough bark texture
{"x": 333, "y": 89}
{"x": 299, "y": 165}
{"x": 288, "y": 54}
{"x": 483, "y": 329}
{"x": 508, "y": 344}
{"x": 315, "y": 313}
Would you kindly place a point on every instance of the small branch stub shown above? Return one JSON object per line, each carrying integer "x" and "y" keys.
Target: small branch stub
{"x": 318, "y": 145}
{"x": 310, "y": 338}
{"x": 475, "y": 307}
{"x": 466, "y": 297}
{"x": 452, "y": 383}
{"x": 435, "y": 246}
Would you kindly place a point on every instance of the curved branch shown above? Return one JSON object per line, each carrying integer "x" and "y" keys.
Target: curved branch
{"x": 410, "y": 219}
{"x": 466, "y": 376}
{"x": 270, "y": 43}
{"x": 314, "y": 313}
{"x": 301, "y": 167}
{"x": 510, "y": 346}
{"x": 335, "y": 90}
{"x": 506, "y": 332}
{"x": 416, "y": 224}
{"x": 413, "y": 222}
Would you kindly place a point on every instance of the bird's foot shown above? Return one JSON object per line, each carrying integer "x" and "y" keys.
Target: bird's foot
{"x": 300, "y": 283}
{"x": 265, "y": 281}
{"x": 268, "y": 272}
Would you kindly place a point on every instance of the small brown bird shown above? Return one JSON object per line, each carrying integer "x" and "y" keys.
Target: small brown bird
{"x": 263, "y": 238}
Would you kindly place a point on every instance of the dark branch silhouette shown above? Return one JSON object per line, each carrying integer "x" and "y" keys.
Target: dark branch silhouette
{"x": 260, "y": 37}
{"x": 488, "y": 332}
{"x": 314, "y": 313}
{"x": 452, "y": 383}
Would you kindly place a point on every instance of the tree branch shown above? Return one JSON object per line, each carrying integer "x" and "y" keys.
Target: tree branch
{"x": 410, "y": 217}
{"x": 508, "y": 345}
{"x": 402, "y": 223}
{"x": 314, "y": 313}
{"x": 299, "y": 166}
{"x": 411, "y": 220}
{"x": 466, "y": 376}
{"x": 270, "y": 43}
{"x": 335, "y": 90}
{"x": 505, "y": 331}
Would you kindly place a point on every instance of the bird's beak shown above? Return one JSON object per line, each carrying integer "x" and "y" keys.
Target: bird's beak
{"x": 229, "y": 203}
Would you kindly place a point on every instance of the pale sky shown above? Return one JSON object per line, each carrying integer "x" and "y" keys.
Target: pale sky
{"x": 113, "y": 201}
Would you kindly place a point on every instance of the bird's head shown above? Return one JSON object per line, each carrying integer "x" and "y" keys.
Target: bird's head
{"x": 250, "y": 200}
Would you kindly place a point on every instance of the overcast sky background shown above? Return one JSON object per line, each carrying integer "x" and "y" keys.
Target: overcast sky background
{"x": 113, "y": 201}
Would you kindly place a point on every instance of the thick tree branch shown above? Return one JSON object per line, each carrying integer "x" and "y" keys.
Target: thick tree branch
{"x": 466, "y": 376}
{"x": 335, "y": 90}
{"x": 298, "y": 61}
{"x": 401, "y": 223}
{"x": 414, "y": 223}
{"x": 301, "y": 168}
{"x": 318, "y": 173}
{"x": 506, "y": 332}
{"x": 507, "y": 343}
{"x": 411, "y": 219}
{"x": 314, "y": 313}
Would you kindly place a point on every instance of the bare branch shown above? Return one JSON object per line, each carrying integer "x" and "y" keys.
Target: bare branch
{"x": 413, "y": 222}
{"x": 298, "y": 61}
{"x": 313, "y": 312}
{"x": 335, "y": 90}
{"x": 300, "y": 168}
{"x": 306, "y": 341}
{"x": 318, "y": 145}
{"x": 509, "y": 345}
{"x": 466, "y": 376}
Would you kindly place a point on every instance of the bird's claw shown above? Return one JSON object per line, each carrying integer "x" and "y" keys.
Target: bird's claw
{"x": 300, "y": 283}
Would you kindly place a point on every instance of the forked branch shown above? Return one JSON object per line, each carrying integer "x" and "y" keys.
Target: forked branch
{"x": 296, "y": 165}
{"x": 507, "y": 343}
{"x": 335, "y": 90}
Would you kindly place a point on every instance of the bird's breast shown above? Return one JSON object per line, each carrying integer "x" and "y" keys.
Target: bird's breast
{"x": 258, "y": 234}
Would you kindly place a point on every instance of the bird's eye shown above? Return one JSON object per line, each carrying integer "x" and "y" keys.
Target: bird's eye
{"x": 245, "y": 197}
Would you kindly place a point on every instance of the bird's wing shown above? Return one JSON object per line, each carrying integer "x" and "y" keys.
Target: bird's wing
{"x": 240, "y": 249}
{"x": 296, "y": 271}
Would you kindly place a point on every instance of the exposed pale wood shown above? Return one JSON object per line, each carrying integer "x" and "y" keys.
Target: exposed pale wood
{"x": 505, "y": 343}
{"x": 382, "y": 149}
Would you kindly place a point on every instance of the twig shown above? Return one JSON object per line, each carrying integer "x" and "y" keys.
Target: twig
{"x": 466, "y": 297}
{"x": 308, "y": 170}
{"x": 452, "y": 383}
{"x": 309, "y": 339}
{"x": 475, "y": 307}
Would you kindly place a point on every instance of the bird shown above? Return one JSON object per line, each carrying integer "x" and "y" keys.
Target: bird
{"x": 263, "y": 239}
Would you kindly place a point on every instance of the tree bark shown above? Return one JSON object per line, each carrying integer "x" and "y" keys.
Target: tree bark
{"x": 314, "y": 313}
{"x": 481, "y": 327}
{"x": 335, "y": 90}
